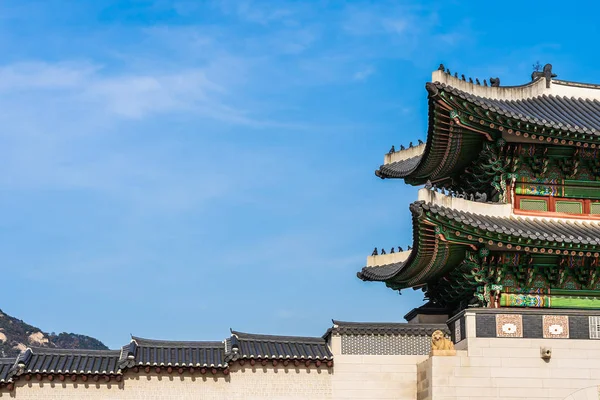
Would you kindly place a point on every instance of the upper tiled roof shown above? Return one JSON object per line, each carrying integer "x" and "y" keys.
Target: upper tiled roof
{"x": 558, "y": 112}
{"x": 6, "y": 364}
{"x": 177, "y": 353}
{"x": 464, "y": 115}
{"x": 57, "y": 361}
{"x": 279, "y": 347}
{"x": 384, "y": 328}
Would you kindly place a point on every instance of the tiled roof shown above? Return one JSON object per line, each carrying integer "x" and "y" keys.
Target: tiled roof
{"x": 380, "y": 272}
{"x": 175, "y": 353}
{"x": 57, "y": 361}
{"x": 6, "y": 364}
{"x": 399, "y": 169}
{"x": 250, "y": 346}
{"x": 550, "y": 230}
{"x": 537, "y": 231}
{"x": 385, "y": 328}
{"x": 558, "y": 112}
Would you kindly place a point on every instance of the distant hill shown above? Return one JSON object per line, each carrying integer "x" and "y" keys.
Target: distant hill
{"x": 16, "y": 335}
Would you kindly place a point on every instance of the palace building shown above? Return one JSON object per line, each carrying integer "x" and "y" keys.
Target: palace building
{"x": 506, "y": 248}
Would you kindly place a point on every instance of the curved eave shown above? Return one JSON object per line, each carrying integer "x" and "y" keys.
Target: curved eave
{"x": 459, "y": 122}
{"x": 441, "y": 235}
{"x": 430, "y": 258}
{"x": 399, "y": 169}
{"x": 380, "y": 273}
{"x": 450, "y": 147}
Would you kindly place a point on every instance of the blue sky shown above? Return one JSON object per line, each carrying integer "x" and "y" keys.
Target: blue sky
{"x": 172, "y": 169}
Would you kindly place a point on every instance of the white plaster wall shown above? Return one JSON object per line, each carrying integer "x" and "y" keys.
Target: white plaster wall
{"x": 243, "y": 383}
{"x": 384, "y": 259}
{"x": 401, "y": 155}
{"x": 373, "y": 376}
{"x": 489, "y": 209}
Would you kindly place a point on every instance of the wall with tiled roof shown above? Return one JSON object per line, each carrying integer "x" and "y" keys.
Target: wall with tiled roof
{"x": 352, "y": 360}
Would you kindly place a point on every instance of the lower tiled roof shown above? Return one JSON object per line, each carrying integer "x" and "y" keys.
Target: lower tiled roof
{"x": 59, "y": 361}
{"x": 176, "y": 353}
{"x": 385, "y": 328}
{"x": 561, "y": 232}
{"x": 6, "y": 364}
{"x": 249, "y": 346}
{"x": 518, "y": 232}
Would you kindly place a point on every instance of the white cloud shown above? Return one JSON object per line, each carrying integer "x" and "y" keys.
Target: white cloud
{"x": 363, "y": 73}
{"x": 39, "y": 75}
{"x": 397, "y": 25}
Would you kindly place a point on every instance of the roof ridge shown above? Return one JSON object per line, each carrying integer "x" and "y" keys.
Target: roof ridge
{"x": 170, "y": 343}
{"x": 416, "y": 325}
{"x": 54, "y": 350}
{"x": 255, "y": 336}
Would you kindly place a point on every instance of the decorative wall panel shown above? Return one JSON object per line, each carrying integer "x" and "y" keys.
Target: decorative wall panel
{"x": 386, "y": 345}
{"x": 509, "y": 325}
{"x": 556, "y": 326}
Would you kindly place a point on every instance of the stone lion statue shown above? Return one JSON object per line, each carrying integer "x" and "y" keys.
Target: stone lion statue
{"x": 439, "y": 341}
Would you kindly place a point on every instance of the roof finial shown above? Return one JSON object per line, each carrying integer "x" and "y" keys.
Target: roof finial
{"x": 392, "y": 150}
{"x": 495, "y": 82}
{"x": 477, "y": 81}
{"x": 546, "y": 73}
{"x": 441, "y": 68}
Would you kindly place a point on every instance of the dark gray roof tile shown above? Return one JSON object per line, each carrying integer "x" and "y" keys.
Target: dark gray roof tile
{"x": 380, "y": 273}
{"x": 57, "y": 361}
{"x": 179, "y": 353}
{"x": 399, "y": 169}
{"x": 6, "y": 365}
{"x": 568, "y": 113}
{"x": 251, "y": 346}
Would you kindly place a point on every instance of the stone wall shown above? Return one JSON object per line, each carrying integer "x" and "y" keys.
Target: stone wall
{"x": 507, "y": 369}
{"x": 499, "y": 356}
